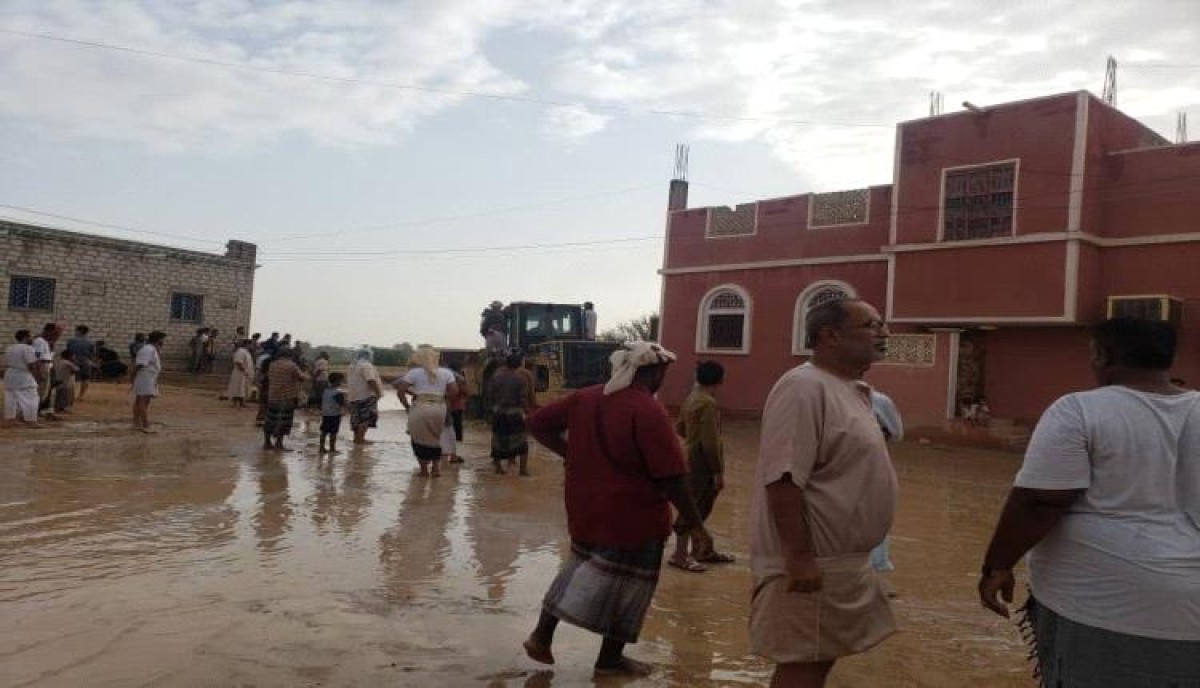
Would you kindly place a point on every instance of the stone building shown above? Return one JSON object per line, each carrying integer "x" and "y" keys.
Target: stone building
{"x": 118, "y": 287}
{"x": 1006, "y": 232}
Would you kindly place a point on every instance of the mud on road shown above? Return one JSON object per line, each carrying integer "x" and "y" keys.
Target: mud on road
{"x": 192, "y": 558}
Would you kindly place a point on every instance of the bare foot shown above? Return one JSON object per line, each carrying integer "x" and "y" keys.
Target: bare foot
{"x": 537, "y": 651}
{"x": 625, "y": 667}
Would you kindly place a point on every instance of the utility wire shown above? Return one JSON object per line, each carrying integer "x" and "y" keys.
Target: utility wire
{"x": 690, "y": 114}
{"x": 106, "y": 225}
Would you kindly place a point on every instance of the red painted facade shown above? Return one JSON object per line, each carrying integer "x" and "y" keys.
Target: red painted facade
{"x": 1094, "y": 205}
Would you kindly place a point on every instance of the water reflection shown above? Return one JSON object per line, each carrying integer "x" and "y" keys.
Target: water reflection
{"x": 200, "y": 558}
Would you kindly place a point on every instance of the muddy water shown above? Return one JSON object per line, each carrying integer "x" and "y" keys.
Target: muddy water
{"x": 192, "y": 558}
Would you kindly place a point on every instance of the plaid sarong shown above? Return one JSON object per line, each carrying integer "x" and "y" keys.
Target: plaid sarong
{"x": 364, "y": 413}
{"x": 606, "y": 590}
{"x": 509, "y": 438}
{"x": 1074, "y": 655}
{"x": 279, "y": 418}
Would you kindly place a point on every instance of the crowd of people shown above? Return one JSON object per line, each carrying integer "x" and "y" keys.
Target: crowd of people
{"x": 1106, "y": 504}
{"x": 43, "y": 382}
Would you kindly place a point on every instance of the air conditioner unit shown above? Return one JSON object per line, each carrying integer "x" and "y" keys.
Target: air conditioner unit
{"x": 1146, "y": 307}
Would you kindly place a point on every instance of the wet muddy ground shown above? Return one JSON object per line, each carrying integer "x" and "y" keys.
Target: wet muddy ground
{"x": 192, "y": 558}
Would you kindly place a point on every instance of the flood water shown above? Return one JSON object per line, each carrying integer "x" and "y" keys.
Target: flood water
{"x": 193, "y": 558}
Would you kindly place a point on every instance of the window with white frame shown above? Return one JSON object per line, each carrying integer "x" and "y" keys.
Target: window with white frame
{"x": 814, "y": 295}
{"x": 31, "y": 293}
{"x": 725, "y": 321}
{"x": 979, "y": 202}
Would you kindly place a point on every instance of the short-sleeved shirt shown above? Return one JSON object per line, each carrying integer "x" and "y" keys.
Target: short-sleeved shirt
{"x": 82, "y": 348}
{"x": 333, "y": 400}
{"x": 510, "y": 388}
{"x": 42, "y": 348}
{"x": 420, "y": 382}
{"x": 19, "y": 360}
{"x": 820, "y": 429}
{"x": 361, "y": 373}
{"x": 320, "y": 370}
{"x": 283, "y": 380}
{"x": 617, "y": 446}
{"x": 147, "y": 358}
{"x": 1126, "y": 556}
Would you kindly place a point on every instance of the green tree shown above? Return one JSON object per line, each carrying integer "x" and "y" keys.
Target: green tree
{"x": 644, "y": 328}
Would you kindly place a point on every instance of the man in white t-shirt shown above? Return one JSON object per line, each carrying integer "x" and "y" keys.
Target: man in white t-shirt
{"x": 1107, "y": 503}
{"x": 21, "y": 375}
{"x": 589, "y": 321}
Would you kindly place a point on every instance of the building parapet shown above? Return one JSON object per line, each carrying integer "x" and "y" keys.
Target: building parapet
{"x": 239, "y": 252}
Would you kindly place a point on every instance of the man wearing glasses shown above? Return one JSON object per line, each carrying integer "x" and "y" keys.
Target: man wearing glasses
{"x": 824, "y": 496}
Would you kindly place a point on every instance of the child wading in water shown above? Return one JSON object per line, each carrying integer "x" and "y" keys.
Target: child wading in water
{"x": 333, "y": 404}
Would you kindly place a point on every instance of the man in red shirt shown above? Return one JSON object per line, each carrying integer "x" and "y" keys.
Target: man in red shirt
{"x": 624, "y": 468}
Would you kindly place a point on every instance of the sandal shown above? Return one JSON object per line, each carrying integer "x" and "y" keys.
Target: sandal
{"x": 689, "y": 565}
{"x": 717, "y": 558}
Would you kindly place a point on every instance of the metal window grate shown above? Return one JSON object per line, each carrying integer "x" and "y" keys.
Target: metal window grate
{"x": 31, "y": 293}
{"x": 725, "y": 331}
{"x": 727, "y": 300}
{"x": 187, "y": 307}
{"x": 979, "y": 202}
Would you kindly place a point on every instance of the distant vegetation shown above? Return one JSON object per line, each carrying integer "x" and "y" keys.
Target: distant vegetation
{"x": 644, "y": 328}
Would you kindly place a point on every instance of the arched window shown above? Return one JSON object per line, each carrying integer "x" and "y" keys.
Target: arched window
{"x": 724, "y": 325}
{"x": 814, "y": 295}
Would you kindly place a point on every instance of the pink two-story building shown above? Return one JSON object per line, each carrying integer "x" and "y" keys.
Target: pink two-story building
{"x": 1006, "y": 232}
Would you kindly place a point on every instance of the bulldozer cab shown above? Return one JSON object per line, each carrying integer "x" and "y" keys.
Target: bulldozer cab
{"x": 530, "y": 324}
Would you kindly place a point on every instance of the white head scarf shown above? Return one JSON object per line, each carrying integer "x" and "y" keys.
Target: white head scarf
{"x": 428, "y": 358}
{"x": 631, "y": 356}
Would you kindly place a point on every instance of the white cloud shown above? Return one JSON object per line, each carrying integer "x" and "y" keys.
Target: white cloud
{"x": 570, "y": 123}
{"x": 766, "y": 65}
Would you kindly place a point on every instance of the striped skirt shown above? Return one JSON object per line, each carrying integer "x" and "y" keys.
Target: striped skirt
{"x": 606, "y": 590}
{"x": 280, "y": 416}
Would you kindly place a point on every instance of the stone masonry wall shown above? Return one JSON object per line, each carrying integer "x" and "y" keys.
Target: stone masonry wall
{"x": 119, "y": 287}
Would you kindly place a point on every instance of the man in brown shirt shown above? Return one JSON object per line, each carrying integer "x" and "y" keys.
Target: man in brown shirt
{"x": 824, "y": 497}
{"x": 283, "y": 390}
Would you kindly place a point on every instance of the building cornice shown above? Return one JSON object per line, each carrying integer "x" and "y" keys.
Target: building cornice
{"x": 768, "y": 264}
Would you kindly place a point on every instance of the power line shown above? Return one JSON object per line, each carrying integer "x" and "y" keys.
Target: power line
{"x": 466, "y": 216}
{"x": 482, "y": 249}
{"x": 106, "y": 225}
{"x": 431, "y": 89}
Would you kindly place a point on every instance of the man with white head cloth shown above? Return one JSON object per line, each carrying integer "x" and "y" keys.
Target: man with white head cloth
{"x": 624, "y": 467}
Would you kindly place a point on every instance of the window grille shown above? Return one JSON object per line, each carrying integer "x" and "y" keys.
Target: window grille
{"x": 979, "y": 202}
{"x": 187, "y": 307}
{"x": 725, "y": 321}
{"x": 814, "y": 296}
{"x": 31, "y": 293}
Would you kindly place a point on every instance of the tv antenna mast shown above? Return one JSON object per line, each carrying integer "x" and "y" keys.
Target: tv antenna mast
{"x": 681, "y": 161}
{"x": 1109, "y": 94}
{"x": 935, "y": 103}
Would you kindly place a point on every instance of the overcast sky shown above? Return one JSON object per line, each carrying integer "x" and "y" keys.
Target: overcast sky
{"x": 401, "y": 164}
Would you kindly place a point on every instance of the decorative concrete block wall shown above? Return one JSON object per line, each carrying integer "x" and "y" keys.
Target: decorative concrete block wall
{"x": 119, "y": 287}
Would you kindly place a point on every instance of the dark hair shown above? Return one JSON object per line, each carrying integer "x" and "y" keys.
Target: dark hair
{"x": 156, "y": 336}
{"x": 828, "y": 314}
{"x": 514, "y": 359}
{"x": 587, "y": 304}
{"x": 1136, "y": 343}
{"x": 67, "y": 355}
{"x": 137, "y": 335}
{"x": 455, "y": 366}
{"x": 49, "y": 327}
{"x": 709, "y": 373}
{"x": 21, "y": 335}
{"x": 81, "y": 329}
{"x": 336, "y": 379}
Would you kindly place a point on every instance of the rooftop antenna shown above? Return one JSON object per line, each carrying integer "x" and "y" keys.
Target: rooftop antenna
{"x": 1110, "y": 82}
{"x": 935, "y": 103}
{"x": 681, "y": 161}
{"x": 1181, "y": 127}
